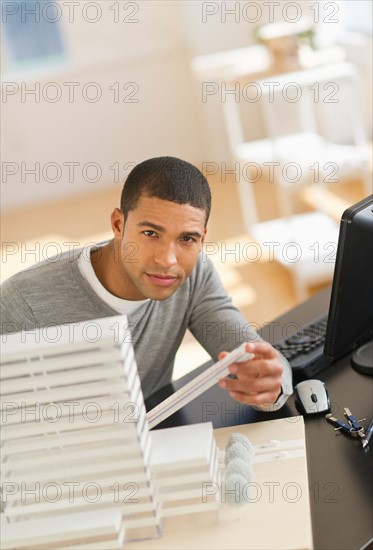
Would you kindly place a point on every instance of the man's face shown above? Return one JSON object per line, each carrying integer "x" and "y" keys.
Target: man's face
{"x": 159, "y": 243}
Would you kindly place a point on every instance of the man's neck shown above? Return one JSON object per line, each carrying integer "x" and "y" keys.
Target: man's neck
{"x": 106, "y": 265}
{"x": 102, "y": 260}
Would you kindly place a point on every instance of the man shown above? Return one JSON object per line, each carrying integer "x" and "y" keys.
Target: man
{"x": 152, "y": 271}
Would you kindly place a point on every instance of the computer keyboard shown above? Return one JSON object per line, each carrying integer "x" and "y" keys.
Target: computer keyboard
{"x": 304, "y": 349}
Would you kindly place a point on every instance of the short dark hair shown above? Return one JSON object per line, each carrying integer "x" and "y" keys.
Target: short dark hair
{"x": 169, "y": 179}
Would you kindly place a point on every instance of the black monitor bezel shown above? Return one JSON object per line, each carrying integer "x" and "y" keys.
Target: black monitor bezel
{"x": 335, "y": 335}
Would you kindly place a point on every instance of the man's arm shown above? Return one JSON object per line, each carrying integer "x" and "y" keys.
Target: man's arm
{"x": 264, "y": 382}
{"x": 15, "y": 314}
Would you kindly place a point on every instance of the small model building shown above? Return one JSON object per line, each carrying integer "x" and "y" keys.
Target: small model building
{"x": 80, "y": 468}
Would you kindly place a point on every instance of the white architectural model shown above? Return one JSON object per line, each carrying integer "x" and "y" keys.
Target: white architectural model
{"x": 80, "y": 468}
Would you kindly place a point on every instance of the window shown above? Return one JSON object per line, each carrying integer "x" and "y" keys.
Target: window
{"x": 32, "y": 32}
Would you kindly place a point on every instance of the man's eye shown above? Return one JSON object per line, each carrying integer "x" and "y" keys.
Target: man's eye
{"x": 188, "y": 239}
{"x": 149, "y": 233}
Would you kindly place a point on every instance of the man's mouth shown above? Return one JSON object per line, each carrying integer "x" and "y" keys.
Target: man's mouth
{"x": 162, "y": 280}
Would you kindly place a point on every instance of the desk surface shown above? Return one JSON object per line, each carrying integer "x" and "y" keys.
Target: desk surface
{"x": 340, "y": 472}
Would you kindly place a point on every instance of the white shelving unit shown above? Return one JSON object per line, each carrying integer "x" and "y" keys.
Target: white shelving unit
{"x": 311, "y": 236}
{"x": 301, "y": 157}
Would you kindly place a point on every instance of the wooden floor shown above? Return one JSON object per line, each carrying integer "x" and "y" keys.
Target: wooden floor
{"x": 261, "y": 289}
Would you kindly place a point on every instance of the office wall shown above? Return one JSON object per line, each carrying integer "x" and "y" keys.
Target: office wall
{"x": 147, "y": 107}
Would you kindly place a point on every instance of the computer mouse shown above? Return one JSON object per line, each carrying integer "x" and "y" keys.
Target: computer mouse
{"x": 312, "y": 397}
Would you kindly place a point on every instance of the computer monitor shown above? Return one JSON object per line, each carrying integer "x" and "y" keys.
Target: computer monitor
{"x": 350, "y": 320}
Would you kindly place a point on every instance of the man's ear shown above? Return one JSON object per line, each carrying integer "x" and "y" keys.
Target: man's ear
{"x": 117, "y": 223}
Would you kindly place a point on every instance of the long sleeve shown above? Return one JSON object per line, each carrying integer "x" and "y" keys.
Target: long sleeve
{"x": 15, "y": 313}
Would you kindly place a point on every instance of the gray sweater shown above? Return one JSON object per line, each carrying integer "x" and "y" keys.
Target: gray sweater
{"x": 55, "y": 293}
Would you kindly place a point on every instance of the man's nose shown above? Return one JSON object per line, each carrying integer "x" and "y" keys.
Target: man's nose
{"x": 165, "y": 255}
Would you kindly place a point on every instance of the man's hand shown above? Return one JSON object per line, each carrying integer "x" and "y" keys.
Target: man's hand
{"x": 258, "y": 380}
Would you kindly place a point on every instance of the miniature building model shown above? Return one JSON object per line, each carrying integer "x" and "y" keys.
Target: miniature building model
{"x": 182, "y": 459}
{"x": 80, "y": 468}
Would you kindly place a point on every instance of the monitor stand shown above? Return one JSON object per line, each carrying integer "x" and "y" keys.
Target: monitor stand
{"x": 362, "y": 358}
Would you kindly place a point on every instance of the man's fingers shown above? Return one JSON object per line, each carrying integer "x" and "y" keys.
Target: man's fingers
{"x": 263, "y": 349}
{"x": 256, "y": 368}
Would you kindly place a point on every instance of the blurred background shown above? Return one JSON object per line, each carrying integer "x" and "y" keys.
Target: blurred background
{"x": 272, "y": 101}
